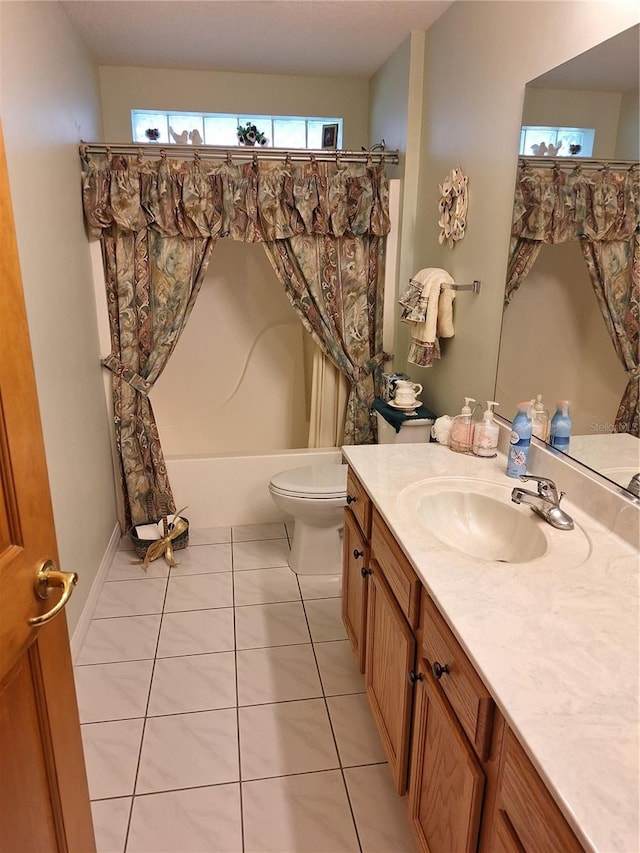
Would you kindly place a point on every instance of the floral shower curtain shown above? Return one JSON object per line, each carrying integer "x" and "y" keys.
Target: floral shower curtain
{"x": 158, "y": 221}
{"x": 600, "y": 207}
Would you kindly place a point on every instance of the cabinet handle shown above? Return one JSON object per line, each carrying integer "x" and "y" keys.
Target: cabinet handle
{"x": 350, "y": 499}
{"x": 357, "y": 553}
{"x": 365, "y": 572}
{"x": 438, "y": 670}
{"x": 415, "y": 676}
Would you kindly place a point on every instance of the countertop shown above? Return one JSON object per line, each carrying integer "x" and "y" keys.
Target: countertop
{"x": 555, "y": 640}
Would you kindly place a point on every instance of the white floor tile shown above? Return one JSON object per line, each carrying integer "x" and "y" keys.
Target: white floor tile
{"x": 286, "y": 738}
{"x": 381, "y": 815}
{"x": 113, "y": 691}
{"x": 355, "y": 731}
{"x": 189, "y": 750}
{"x": 111, "y": 753}
{"x": 262, "y": 625}
{"x": 110, "y": 821}
{"x": 122, "y": 638}
{"x": 201, "y": 820}
{"x": 125, "y": 543}
{"x": 298, "y": 814}
{"x": 131, "y": 598}
{"x": 123, "y": 569}
{"x": 338, "y": 669}
{"x": 277, "y": 674}
{"x": 249, "y": 532}
{"x": 199, "y": 592}
{"x": 320, "y": 586}
{"x": 325, "y": 619}
{"x": 264, "y": 554}
{"x": 196, "y": 632}
{"x": 209, "y": 535}
{"x": 202, "y": 559}
{"x": 265, "y": 586}
{"x": 193, "y": 683}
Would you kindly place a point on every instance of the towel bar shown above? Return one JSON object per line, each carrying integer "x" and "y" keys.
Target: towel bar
{"x": 474, "y": 288}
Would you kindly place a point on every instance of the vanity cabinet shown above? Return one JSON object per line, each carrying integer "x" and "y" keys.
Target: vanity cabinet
{"x": 355, "y": 566}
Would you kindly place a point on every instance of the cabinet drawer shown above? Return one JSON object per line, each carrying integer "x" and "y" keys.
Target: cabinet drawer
{"x": 359, "y": 503}
{"x": 461, "y": 684}
{"x": 536, "y": 820}
{"x": 397, "y": 570}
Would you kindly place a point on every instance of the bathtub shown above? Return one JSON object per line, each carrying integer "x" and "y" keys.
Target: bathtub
{"x": 227, "y": 489}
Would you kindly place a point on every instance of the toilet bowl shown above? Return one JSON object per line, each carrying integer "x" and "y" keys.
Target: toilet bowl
{"x": 315, "y": 495}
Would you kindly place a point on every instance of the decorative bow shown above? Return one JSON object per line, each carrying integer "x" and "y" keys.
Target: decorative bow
{"x": 164, "y": 545}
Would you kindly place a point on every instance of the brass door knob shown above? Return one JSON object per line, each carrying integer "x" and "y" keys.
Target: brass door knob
{"x": 48, "y": 578}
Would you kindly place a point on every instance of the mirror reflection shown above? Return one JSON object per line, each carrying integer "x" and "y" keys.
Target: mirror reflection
{"x": 555, "y": 339}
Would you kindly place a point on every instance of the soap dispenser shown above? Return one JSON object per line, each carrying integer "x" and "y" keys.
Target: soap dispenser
{"x": 485, "y": 434}
{"x": 520, "y": 441}
{"x": 561, "y": 426}
{"x": 539, "y": 419}
{"x": 461, "y": 438}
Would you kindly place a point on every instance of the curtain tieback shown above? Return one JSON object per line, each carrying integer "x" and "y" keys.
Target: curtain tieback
{"x": 143, "y": 386}
{"x": 361, "y": 373}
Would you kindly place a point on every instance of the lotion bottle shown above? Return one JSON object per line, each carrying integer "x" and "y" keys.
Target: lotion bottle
{"x": 520, "y": 441}
{"x": 561, "y": 426}
{"x": 461, "y": 437}
{"x": 540, "y": 419}
{"x": 485, "y": 434}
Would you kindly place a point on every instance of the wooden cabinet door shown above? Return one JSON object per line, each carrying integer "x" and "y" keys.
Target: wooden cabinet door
{"x": 389, "y": 658}
{"x": 355, "y": 561}
{"x": 44, "y": 798}
{"x": 447, "y": 783}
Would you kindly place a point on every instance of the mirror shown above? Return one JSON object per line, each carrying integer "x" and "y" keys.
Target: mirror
{"x": 554, "y": 341}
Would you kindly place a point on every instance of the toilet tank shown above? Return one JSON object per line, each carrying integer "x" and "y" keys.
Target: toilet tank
{"x": 411, "y": 431}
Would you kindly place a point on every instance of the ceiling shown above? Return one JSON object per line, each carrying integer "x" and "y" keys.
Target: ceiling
{"x": 309, "y": 37}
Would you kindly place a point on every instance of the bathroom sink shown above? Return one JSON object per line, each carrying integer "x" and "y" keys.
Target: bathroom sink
{"x": 478, "y": 519}
{"x": 621, "y": 475}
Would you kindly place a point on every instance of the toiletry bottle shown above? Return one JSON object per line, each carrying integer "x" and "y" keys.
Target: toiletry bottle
{"x": 461, "y": 437}
{"x": 561, "y": 426}
{"x": 485, "y": 434}
{"x": 520, "y": 441}
{"x": 539, "y": 419}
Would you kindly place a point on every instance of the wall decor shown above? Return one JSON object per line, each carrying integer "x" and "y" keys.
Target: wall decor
{"x": 329, "y": 135}
{"x": 452, "y": 207}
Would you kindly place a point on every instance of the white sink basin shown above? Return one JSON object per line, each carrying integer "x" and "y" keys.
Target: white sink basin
{"x": 477, "y": 518}
{"x": 482, "y": 527}
{"x": 621, "y": 475}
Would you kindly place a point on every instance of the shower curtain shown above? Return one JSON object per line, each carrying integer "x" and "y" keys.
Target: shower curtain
{"x": 323, "y": 226}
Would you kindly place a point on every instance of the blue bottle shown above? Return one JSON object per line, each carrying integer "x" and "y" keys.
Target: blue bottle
{"x": 561, "y": 427}
{"x": 520, "y": 441}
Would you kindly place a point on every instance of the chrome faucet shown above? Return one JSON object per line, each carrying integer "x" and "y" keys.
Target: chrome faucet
{"x": 546, "y": 502}
{"x": 634, "y": 485}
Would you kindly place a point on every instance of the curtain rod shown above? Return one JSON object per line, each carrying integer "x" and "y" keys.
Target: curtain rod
{"x": 219, "y": 152}
{"x": 578, "y": 161}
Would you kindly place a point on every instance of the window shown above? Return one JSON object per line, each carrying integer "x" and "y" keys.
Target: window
{"x": 221, "y": 128}
{"x": 572, "y": 141}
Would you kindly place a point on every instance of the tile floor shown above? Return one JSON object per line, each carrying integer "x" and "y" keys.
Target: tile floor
{"x": 222, "y": 709}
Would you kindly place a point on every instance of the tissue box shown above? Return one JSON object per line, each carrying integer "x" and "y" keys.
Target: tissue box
{"x": 389, "y": 383}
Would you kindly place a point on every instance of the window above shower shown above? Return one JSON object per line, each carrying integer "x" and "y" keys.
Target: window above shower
{"x": 191, "y": 128}
{"x": 541, "y": 141}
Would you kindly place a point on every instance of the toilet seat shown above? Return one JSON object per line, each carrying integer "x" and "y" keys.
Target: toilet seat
{"x": 315, "y": 482}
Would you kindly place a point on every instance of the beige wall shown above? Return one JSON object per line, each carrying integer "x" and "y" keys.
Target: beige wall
{"x": 49, "y": 101}
{"x": 628, "y": 141}
{"x": 124, "y": 89}
{"x": 479, "y": 57}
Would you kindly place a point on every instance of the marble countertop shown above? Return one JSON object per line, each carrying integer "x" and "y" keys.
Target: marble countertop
{"x": 556, "y": 640}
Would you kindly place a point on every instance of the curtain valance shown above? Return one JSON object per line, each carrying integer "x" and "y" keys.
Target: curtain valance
{"x": 555, "y": 206}
{"x": 251, "y": 202}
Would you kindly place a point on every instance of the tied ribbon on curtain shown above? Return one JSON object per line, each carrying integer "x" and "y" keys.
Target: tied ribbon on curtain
{"x": 164, "y": 546}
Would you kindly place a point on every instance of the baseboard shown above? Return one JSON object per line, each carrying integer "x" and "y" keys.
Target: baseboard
{"x": 88, "y": 610}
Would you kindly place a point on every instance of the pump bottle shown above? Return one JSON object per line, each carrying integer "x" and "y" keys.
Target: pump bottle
{"x": 461, "y": 437}
{"x": 540, "y": 419}
{"x": 485, "y": 434}
{"x": 520, "y": 441}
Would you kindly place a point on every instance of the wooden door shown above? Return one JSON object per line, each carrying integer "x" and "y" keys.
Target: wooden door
{"x": 447, "y": 782}
{"x": 389, "y": 657}
{"x": 44, "y": 797}
{"x": 355, "y": 561}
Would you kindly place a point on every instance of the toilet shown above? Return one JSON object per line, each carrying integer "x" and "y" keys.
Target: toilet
{"x": 412, "y": 431}
{"x": 315, "y": 495}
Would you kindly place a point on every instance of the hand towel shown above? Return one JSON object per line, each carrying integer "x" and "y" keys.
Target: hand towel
{"x": 427, "y": 306}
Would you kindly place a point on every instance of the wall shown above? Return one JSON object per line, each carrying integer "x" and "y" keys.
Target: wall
{"x": 565, "y": 353}
{"x": 124, "y": 89}
{"x": 49, "y": 101}
{"x": 628, "y": 141}
{"x": 479, "y": 55}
